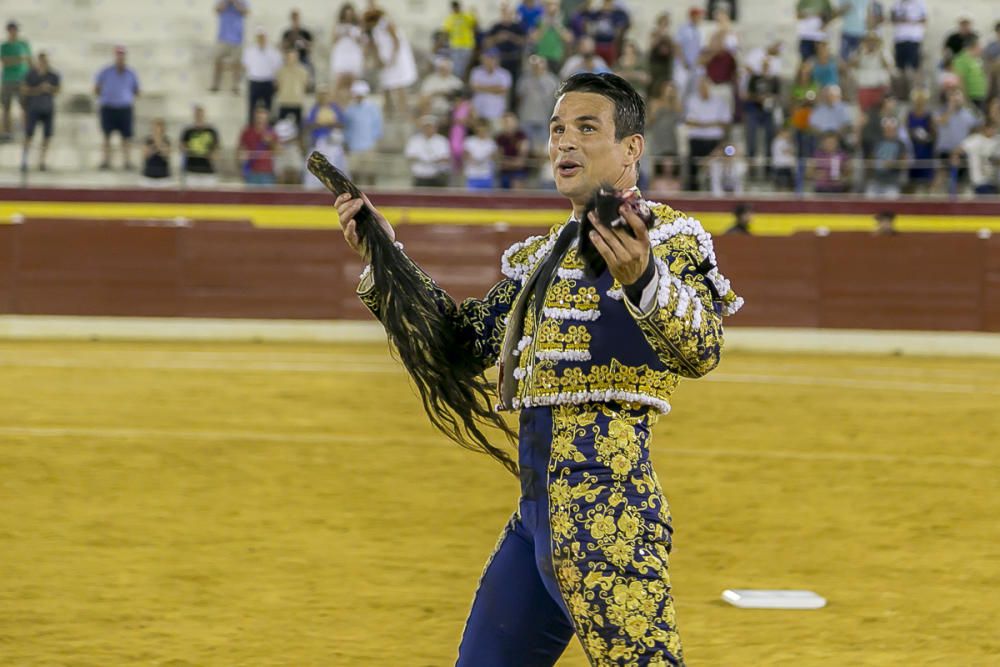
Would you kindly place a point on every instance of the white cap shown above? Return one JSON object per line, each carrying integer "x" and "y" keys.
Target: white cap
{"x": 360, "y": 88}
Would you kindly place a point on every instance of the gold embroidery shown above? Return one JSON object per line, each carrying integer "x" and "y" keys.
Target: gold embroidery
{"x": 576, "y": 337}
{"x": 561, "y": 295}
{"x": 610, "y": 544}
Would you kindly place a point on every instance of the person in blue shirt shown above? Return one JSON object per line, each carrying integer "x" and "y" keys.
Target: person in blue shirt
{"x": 362, "y": 131}
{"x": 116, "y": 87}
{"x": 229, "y": 42}
{"x": 529, "y": 13}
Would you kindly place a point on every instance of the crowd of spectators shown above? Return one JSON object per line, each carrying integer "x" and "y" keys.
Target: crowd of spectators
{"x": 880, "y": 112}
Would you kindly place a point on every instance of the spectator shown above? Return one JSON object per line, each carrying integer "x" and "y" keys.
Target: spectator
{"x": 16, "y": 57}
{"x": 873, "y": 126}
{"x": 479, "y": 152}
{"x": 909, "y": 20}
{"x": 689, "y": 41}
{"x": 551, "y": 35}
{"x": 721, "y": 70}
{"x": 397, "y": 66}
{"x": 429, "y": 156}
{"x": 831, "y": 114}
{"x": 954, "y": 123}
{"x": 729, "y": 40}
{"x": 331, "y": 146}
{"x": 763, "y": 97}
{"x": 960, "y": 39}
{"x": 116, "y": 88}
{"x": 830, "y": 167}
{"x": 347, "y": 57}
{"x": 885, "y": 223}
{"x": 156, "y": 154}
{"x": 199, "y": 147}
{"x": 229, "y": 41}
{"x": 461, "y": 28}
{"x": 261, "y": 61}
{"x": 291, "y": 83}
{"x": 993, "y": 112}
{"x": 742, "y": 217}
{"x": 463, "y": 120}
{"x": 662, "y": 52}
{"x": 813, "y": 17}
{"x": 873, "y": 71}
{"x": 922, "y": 133}
{"x": 825, "y": 68}
{"x": 770, "y": 54}
{"x": 664, "y": 115}
{"x": 783, "y": 162}
{"x": 513, "y": 150}
{"x": 856, "y": 21}
{"x": 631, "y": 67}
{"x": 509, "y": 38}
{"x": 536, "y": 92}
{"x": 299, "y": 39}
{"x": 439, "y": 88}
{"x": 708, "y": 119}
{"x": 803, "y": 101}
{"x": 362, "y": 131}
{"x": 982, "y": 151}
{"x": 991, "y": 59}
{"x": 888, "y": 163}
{"x": 991, "y": 54}
{"x": 608, "y": 26}
{"x": 490, "y": 86}
{"x": 729, "y": 6}
{"x": 324, "y": 118}
{"x": 726, "y": 170}
{"x": 585, "y": 60}
{"x": 255, "y": 152}
{"x": 38, "y": 91}
{"x": 288, "y": 158}
{"x": 529, "y": 14}
{"x": 968, "y": 66}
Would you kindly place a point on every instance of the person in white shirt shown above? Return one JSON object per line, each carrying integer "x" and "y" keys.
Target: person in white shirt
{"x": 707, "y": 118}
{"x": 480, "y": 153}
{"x": 439, "y": 88}
{"x": 909, "y": 20}
{"x": 261, "y": 62}
{"x": 982, "y": 151}
{"x": 429, "y": 155}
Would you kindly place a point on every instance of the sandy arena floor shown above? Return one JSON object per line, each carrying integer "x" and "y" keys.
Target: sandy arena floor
{"x": 289, "y": 505}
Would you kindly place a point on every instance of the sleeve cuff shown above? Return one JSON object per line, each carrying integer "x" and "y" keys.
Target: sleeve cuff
{"x": 642, "y": 293}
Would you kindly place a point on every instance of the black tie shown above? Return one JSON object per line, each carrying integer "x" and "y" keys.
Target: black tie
{"x": 544, "y": 275}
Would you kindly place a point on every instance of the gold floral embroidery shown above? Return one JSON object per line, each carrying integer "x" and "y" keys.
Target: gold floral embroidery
{"x": 561, "y": 295}
{"x": 610, "y": 542}
{"x": 550, "y": 337}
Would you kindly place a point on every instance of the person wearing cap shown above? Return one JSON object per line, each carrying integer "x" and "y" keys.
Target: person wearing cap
{"x": 229, "y": 41}
{"x": 362, "y": 131}
{"x": 261, "y": 61}
{"x": 39, "y": 89}
{"x": 490, "y": 86}
{"x": 15, "y": 53}
{"x": 429, "y": 155}
{"x": 116, "y": 87}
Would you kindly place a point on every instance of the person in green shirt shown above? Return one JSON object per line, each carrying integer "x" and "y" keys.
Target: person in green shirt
{"x": 968, "y": 65}
{"x": 16, "y": 56}
{"x": 460, "y": 27}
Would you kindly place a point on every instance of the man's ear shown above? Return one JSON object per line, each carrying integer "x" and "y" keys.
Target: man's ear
{"x": 634, "y": 145}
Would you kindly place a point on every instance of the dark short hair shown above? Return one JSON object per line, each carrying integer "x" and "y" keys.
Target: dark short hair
{"x": 630, "y": 109}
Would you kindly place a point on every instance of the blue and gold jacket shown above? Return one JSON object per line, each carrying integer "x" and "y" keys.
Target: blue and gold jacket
{"x": 589, "y": 343}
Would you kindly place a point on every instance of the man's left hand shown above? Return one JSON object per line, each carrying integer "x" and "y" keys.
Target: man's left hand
{"x": 627, "y": 256}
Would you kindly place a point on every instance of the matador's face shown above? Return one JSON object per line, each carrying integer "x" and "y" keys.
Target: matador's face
{"x": 583, "y": 150}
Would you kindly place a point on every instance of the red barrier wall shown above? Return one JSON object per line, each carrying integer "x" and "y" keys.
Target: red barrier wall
{"x": 850, "y": 280}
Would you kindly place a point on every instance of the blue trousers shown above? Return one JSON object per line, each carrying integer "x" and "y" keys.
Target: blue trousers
{"x": 586, "y": 553}
{"x": 518, "y": 618}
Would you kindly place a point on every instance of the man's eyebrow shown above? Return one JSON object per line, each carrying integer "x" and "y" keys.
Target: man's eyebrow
{"x": 579, "y": 119}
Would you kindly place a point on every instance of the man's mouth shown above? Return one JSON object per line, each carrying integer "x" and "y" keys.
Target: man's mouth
{"x": 567, "y": 168}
